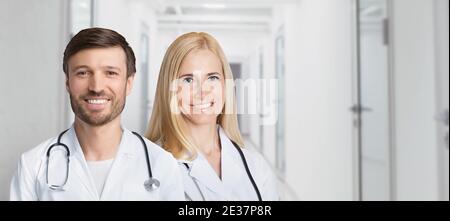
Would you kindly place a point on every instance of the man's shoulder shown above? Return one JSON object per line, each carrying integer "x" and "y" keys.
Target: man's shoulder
{"x": 154, "y": 150}
{"x": 157, "y": 150}
{"x": 35, "y": 155}
{"x": 40, "y": 148}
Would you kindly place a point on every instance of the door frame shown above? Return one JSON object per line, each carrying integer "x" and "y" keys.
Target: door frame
{"x": 441, "y": 19}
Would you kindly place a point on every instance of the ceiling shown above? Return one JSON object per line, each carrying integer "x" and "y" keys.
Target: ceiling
{"x": 217, "y": 14}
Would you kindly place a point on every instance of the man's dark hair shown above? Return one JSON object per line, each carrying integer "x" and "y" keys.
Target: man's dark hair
{"x": 99, "y": 38}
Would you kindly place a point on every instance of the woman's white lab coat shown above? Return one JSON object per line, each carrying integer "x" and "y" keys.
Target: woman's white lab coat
{"x": 125, "y": 180}
{"x": 235, "y": 184}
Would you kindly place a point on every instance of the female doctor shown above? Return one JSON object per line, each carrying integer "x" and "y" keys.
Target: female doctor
{"x": 195, "y": 119}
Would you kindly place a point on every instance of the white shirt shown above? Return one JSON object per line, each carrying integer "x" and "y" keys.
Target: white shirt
{"x": 125, "y": 180}
{"x": 235, "y": 183}
{"x": 100, "y": 171}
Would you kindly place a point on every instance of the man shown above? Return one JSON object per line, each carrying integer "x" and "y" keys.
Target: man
{"x": 97, "y": 159}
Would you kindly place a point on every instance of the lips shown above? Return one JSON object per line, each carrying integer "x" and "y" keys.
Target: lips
{"x": 97, "y": 101}
{"x": 203, "y": 106}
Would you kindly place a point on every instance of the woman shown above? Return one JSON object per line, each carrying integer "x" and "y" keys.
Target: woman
{"x": 195, "y": 119}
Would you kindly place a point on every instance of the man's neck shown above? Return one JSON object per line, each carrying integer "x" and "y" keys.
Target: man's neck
{"x": 98, "y": 142}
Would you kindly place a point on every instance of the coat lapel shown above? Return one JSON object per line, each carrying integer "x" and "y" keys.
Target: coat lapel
{"x": 119, "y": 168}
{"x": 233, "y": 175}
{"x": 78, "y": 168}
{"x": 205, "y": 175}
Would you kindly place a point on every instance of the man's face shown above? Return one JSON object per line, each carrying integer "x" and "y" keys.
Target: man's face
{"x": 98, "y": 85}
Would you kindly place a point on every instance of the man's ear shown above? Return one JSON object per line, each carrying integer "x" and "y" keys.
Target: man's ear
{"x": 130, "y": 81}
{"x": 67, "y": 83}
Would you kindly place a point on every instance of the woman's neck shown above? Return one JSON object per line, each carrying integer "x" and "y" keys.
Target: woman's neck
{"x": 206, "y": 138}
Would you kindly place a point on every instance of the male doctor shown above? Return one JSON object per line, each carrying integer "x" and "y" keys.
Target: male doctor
{"x": 97, "y": 158}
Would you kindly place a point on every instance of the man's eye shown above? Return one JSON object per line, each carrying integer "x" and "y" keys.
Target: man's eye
{"x": 82, "y": 73}
{"x": 112, "y": 73}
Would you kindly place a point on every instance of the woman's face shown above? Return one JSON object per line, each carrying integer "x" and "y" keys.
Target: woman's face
{"x": 201, "y": 86}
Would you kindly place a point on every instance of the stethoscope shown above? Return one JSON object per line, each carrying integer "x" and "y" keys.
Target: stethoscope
{"x": 249, "y": 174}
{"x": 150, "y": 184}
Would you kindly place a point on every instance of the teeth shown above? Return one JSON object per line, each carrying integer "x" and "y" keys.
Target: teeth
{"x": 97, "y": 101}
{"x": 203, "y": 106}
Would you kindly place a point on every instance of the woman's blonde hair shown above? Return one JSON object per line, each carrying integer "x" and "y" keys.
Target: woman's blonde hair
{"x": 168, "y": 127}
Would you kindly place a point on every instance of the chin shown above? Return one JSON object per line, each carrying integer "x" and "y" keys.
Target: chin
{"x": 203, "y": 119}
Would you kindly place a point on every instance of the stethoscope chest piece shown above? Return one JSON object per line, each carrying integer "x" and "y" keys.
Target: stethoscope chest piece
{"x": 151, "y": 184}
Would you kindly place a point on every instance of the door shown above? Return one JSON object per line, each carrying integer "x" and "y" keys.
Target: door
{"x": 442, "y": 92}
{"x": 236, "y": 69}
{"x": 280, "y": 161}
{"x": 373, "y": 106}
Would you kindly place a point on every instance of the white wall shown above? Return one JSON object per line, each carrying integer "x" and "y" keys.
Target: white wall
{"x": 31, "y": 86}
{"x": 319, "y": 151}
{"x": 268, "y": 133}
{"x": 415, "y": 103}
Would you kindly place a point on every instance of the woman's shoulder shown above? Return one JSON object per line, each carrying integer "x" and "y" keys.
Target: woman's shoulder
{"x": 255, "y": 157}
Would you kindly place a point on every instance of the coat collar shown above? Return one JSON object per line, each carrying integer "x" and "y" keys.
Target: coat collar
{"x": 202, "y": 171}
{"x": 71, "y": 139}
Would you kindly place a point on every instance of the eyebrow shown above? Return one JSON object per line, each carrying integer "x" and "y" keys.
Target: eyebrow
{"x": 112, "y": 68}
{"x": 186, "y": 75}
{"x": 80, "y": 67}
{"x": 191, "y": 75}
{"x": 87, "y": 67}
{"x": 213, "y": 73}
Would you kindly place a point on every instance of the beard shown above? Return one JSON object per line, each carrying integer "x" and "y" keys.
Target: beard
{"x": 94, "y": 118}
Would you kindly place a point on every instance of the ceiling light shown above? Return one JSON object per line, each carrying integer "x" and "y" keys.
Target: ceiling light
{"x": 214, "y": 6}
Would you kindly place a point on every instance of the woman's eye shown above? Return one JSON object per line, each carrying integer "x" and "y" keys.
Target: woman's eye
{"x": 188, "y": 80}
{"x": 213, "y": 78}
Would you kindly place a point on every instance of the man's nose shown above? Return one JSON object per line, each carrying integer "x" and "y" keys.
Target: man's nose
{"x": 96, "y": 83}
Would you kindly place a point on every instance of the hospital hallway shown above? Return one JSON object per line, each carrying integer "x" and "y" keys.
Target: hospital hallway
{"x": 345, "y": 99}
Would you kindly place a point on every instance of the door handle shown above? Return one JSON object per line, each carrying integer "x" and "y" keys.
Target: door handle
{"x": 357, "y": 109}
{"x": 443, "y": 118}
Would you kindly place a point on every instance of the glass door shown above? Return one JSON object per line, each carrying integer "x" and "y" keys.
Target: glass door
{"x": 144, "y": 59}
{"x": 280, "y": 160}
{"x": 373, "y": 106}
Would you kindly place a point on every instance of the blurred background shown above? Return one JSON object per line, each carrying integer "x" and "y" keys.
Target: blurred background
{"x": 360, "y": 110}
